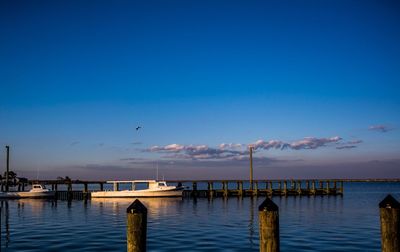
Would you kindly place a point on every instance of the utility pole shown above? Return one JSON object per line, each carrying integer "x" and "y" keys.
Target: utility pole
{"x": 8, "y": 165}
{"x": 251, "y": 167}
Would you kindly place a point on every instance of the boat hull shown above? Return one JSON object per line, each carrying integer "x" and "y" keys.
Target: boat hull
{"x": 19, "y": 195}
{"x": 137, "y": 194}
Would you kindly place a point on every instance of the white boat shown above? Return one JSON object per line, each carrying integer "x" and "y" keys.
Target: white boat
{"x": 154, "y": 189}
{"x": 37, "y": 191}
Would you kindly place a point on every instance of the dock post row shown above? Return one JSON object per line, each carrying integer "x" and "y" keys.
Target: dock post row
{"x": 268, "y": 212}
{"x": 79, "y": 189}
{"x": 229, "y": 188}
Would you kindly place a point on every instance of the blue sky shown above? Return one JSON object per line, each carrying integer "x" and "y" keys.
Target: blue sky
{"x": 76, "y": 78}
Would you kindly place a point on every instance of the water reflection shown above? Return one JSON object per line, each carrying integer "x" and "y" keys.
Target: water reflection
{"x": 155, "y": 206}
{"x": 307, "y": 223}
{"x": 251, "y": 221}
{"x": 4, "y": 216}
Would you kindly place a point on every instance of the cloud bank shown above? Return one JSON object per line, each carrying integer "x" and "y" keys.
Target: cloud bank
{"x": 198, "y": 152}
{"x": 305, "y": 143}
{"x": 380, "y": 128}
{"x": 237, "y": 151}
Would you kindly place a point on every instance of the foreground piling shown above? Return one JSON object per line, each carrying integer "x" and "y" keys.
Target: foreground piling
{"x": 268, "y": 213}
{"x": 389, "y": 209}
{"x": 136, "y": 227}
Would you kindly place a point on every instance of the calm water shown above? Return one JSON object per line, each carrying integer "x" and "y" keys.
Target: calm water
{"x": 348, "y": 223}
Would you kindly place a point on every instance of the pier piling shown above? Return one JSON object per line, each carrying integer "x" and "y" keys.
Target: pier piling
{"x": 136, "y": 227}
{"x": 268, "y": 213}
{"x": 7, "y": 166}
{"x": 389, "y": 209}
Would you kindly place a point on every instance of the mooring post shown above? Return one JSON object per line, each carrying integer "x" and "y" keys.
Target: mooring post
{"x": 241, "y": 188}
{"x": 299, "y": 187}
{"x": 69, "y": 192}
{"x": 285, "y": 187}
{"x": 210, "y": 189}
{"x": 313, "y": 187}
{"x": 136, "y": 227}
{"x": 268, "y": 214}
{"x": 85, "y": 191}
{"x": 194, "y": 189}
{"x": 335, "y": 187}
{"x": 389, "y": 209}
{"x": 341, "y": 187}
{"x": 255, "y": 189}
{"x": 7, "y": 165}
{"x": 328, "y": 190}
{"x": 226, "y": 190}
{"x": 270, "y": 187}
{"x": 101, "y": 187}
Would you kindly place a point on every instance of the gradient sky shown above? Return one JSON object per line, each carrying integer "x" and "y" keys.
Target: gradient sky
{"x": 77, "y": 77}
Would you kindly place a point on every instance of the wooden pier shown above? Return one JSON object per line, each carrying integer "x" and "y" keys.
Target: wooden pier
{"x": 81, "y": 190}
{"x": 243, "y": 188}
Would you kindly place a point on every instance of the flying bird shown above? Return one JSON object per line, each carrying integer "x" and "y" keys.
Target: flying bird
{"x": 138, "y": 127}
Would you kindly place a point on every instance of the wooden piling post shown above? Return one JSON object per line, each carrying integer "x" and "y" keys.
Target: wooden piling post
{"x": 194, "y": 189}
{"x": 69, "y": 193}
{"x": 101, "y": 187}
{"x": 7, "y": 165}
{"x": 341, "y": 187}
{"x": 328, "y": 190}
{"x": 210, "y": 189}
{"x": 313, "y": 187}
{"x": 270, "y": 190}
{"x": 255, "y": 189}
{"x": 224, "y": 188}
{"x": 136, "y": 227}
{"x": 241, "y": 188}
{"x": 335, "y": 187}
{"x": 299, "y": 187}
{"x": 268, "y": 213}
{"x": 389, "y": 209}
{"x": 85, "y": 191}
{"x": 285, "y": 187}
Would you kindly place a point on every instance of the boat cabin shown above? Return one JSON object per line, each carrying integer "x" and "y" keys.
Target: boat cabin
{"x": 149, "y": 184}
{"x": 38, "y": 188}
